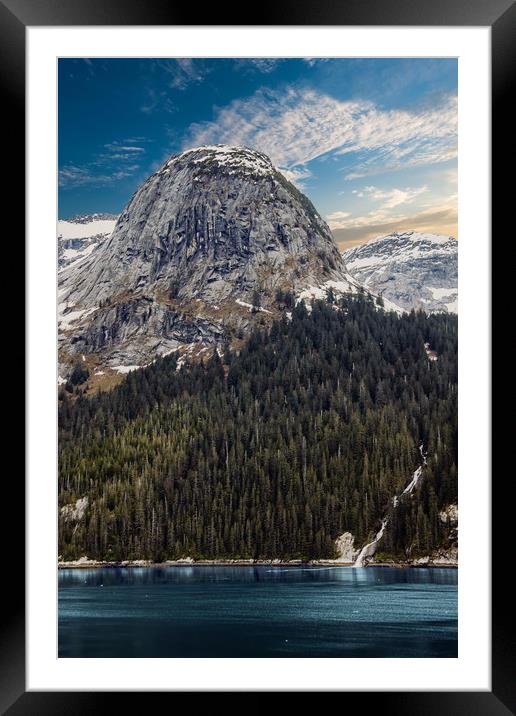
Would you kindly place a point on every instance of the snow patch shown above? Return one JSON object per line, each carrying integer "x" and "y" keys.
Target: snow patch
{"x": 66, "y": 320}
{"x": 250, "y": 306}
{"x": 415, "y": 236}
{"x": 453, "y": 306}
{"x": 339, "y": 288}
{"x": 75, "y": 230}
{"x": 234, "y": 159}
{"x": 440, "y": 293}
{"x": 125, "y": 368}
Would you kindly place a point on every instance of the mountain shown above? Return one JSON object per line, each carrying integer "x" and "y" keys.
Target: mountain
{"x": 410, "y": 269}
{"x": 206, "y": 248}
{"x": 80, "y": 236}
{"x": 328, "y": 432}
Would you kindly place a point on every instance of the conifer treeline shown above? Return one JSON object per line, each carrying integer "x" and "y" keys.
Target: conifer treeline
{"x": 273, "y": 452}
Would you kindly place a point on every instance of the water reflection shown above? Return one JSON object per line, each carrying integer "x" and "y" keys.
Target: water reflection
{"x": 262, "y": 573}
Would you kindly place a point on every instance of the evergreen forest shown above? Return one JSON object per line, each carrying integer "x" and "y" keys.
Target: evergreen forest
{"x": 272, "y": 451}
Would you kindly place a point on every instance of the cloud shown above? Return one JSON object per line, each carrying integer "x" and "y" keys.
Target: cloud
{"x": 394, "y": 197}
{"x": 181, "y": 72}
{"x": 265, "y": 65}
{"x": 312, "y": 61}
{"x": 137, "y": 140}
{"x": 168, "y": 76}
{"x": 118, "y": 147}
{"x": 296, "y": 126}
{"x": 73, "y": 176}
{"x": 338, "y": 215}
{"x": 114, "y": 164}
{"x": 440, "y": 220}
{"x": 297, "y": 175}
{"x": 389, "y": 199}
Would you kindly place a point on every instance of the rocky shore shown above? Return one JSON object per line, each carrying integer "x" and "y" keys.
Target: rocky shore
{"x": 85, "y": 563}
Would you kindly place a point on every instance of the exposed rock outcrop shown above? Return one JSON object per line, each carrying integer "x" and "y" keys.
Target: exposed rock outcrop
{"x": 345, "y": 546}
{"x": 75, "y": 512}
{"x": 213, "y": 233}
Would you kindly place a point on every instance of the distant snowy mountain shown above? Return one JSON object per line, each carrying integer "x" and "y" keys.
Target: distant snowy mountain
{"x": 410, "y": 269}
{"x": 80, "y": 236}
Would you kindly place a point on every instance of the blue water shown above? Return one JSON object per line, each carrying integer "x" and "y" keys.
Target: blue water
{"x": 258, "y": 612}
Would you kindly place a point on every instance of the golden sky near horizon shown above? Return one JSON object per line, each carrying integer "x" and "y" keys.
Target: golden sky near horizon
{"x": 442, "y": 221}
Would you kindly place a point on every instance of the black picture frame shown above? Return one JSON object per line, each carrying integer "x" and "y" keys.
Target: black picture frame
{"x": 500, "y": 15}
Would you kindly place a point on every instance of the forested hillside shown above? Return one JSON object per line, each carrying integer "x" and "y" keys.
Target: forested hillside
{"x": 307, "y": 432}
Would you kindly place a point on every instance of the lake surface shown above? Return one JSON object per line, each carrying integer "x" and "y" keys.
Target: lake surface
{"x": 258, "y": 612}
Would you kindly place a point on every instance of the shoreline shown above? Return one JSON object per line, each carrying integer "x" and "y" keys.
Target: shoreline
{"x": 133, "y": 564}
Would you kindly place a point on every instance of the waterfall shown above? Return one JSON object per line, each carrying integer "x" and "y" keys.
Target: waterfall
{"x": 369, "y": 549}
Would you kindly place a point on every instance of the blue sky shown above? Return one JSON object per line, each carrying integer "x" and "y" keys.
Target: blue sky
{"x": 373, "y": 142}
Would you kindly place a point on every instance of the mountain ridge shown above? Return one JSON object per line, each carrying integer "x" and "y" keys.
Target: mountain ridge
{"x": 413, "y": 270}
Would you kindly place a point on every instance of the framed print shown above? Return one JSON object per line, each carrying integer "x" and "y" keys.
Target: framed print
{"x": 258, "y": 356}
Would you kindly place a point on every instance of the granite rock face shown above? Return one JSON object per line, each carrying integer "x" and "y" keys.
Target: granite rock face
{"x": 345, "y": 546}
{"x": 196, "y": 257}
{"x": 410, "y": 269}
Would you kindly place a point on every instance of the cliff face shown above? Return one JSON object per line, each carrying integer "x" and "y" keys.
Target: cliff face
{"x": 216, "y": 231}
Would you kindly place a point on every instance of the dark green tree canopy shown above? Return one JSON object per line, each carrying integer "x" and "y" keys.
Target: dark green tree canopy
{"x": 307, "y": 432}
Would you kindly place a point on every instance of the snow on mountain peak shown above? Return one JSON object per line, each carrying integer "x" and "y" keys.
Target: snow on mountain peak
{"x": 233, "y": 159}
{"x": 413, "y": 236}
{"x": 202, "y": 237}
{"x": 411, "y": 269}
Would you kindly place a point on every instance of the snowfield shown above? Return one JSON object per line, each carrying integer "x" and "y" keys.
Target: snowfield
{"x": 74, "y": 230}
{"x": 79, "y": 237}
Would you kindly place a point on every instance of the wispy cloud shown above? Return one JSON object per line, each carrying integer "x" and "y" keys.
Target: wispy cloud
{"x": 296, "y": 126}
{"x": 385, "y": 201}
{"x": 439, "y": 216}
{"x": 115, "y": 146}
{"x": 151, "y": 102}
{"x": 265, "y": 65}
{"x": 74, "y": 176}
{"x": 338, "y": 215}
{"x": 181, "y": 72}
{"x": 395, "y": 197}
{"x": 297, "y": 175}
{"x": 312, "y": 61}
{"x": 118, "y": 160}
{"x": 187, "y": 71}
{"x": 166, "y": 77}
{"x": 441, "y": 220}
